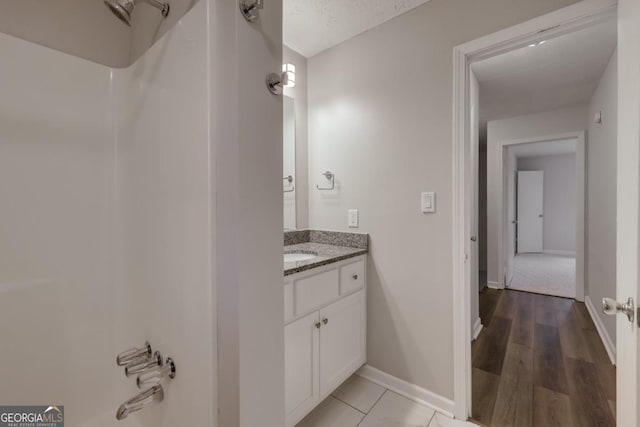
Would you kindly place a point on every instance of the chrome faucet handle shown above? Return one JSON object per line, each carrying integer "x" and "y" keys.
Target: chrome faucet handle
{"x": 142, "y": 364}
{"x": 155, "y": 375}
{"x": 140, "y": 401}
{"x": 251, "y": 9}
{"x": 131, "y": 354}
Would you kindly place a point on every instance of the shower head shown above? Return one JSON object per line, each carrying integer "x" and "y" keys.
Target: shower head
{"x": 123, "y": 8}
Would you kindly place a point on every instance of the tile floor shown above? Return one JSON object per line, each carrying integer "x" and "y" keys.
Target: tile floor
{"x": 361, "y": 403}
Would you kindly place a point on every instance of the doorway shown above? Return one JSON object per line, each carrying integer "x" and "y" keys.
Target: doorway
{"x": 524, "y": 349}
{"x": 525, "y": 35}
{"x": 543, "y": 193}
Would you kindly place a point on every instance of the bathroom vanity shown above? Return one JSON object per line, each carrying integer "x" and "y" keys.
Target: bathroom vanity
{"x": 324, "y": 315}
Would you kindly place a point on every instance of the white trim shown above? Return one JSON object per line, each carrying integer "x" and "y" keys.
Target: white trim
{"x": 576, "y": 16}
{"x": 411, "y": 391}
{"x": 477, "y": 327}
{"x": 602, "y": 331}
{"x": 561, "y": 253}
{"x": 493, "y": 285}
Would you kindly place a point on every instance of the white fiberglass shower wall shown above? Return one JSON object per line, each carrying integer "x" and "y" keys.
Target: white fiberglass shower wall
{"x": 105, "y": 227}
{"x": 57, "y": 190}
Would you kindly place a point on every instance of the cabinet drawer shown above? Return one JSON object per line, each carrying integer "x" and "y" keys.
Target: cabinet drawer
{"x": 314, "y": 291}
{"x": 351, "y": 277}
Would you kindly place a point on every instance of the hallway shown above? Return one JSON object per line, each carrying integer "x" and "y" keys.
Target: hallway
{"x": 540, "y": 362}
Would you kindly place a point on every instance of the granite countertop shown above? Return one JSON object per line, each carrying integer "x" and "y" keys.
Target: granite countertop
{"x": 330, "y": 247}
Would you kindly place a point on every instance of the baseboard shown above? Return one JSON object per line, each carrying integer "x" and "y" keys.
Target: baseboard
{"x": 410, "y": 391}
{"x": 604, "y": 335}
{"x": 563, "y": 253}
{"x": 477, "y": 327}
{"x": 493, "y": 285}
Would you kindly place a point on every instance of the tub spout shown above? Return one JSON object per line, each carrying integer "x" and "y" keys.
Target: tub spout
{"x": 140, "y": 401}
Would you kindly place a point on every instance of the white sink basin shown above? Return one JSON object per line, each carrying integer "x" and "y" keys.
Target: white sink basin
{"x": 298, "y": 256}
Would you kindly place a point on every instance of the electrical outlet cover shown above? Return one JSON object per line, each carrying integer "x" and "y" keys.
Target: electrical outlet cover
{"x": 352, "y": 218}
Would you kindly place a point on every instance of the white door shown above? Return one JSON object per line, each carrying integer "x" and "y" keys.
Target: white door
{"x": 627, "y": 343}
{"x": 530, "y": 208}
{"x": 301, "y": 367}
{"x": 342, "y": 340}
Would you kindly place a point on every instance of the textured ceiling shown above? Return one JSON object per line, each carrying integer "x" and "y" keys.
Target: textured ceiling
{"x": 561, "y": 72}
{"x": 311, "y": 26}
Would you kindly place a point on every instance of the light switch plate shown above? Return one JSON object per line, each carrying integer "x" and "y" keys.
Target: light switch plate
{"x": 352, "y": 218}
{"x": 428, "y": 200}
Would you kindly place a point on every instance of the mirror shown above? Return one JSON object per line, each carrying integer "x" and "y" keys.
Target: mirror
{"x": 289, "y": 163}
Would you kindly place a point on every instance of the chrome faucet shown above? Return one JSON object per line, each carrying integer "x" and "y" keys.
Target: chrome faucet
{"x": 140, "y": 401}
{"x": 132, "y": 354}
{"x": 150, "y": 370}
{"x": 143, "y": 364}
{"x": 154, "y": 376}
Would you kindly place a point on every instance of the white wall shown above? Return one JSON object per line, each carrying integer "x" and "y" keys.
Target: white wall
{"x": 114, "y": 230}
{"x": 601, "y": 198}
{"x": 559, "y": 200}
{"x": 57, "y": 299}
{"x": 380, "y": 117}
{"x": 164, "y": 203}
{"x": 247, "y": 129}
{"x": 148, "y": 25}
{"x": 555, "y": 122}
{"x": 299, "y": 94}
{"x": 106, "y": 225}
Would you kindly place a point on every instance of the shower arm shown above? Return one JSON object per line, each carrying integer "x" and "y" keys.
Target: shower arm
{"x": 164, "y": 7}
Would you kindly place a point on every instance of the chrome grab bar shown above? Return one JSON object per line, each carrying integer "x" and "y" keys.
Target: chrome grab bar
{"x": 140, "y": 401}
{"x": 132, "y": 354}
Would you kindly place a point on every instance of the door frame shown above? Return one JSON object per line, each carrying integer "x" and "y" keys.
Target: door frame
{"x": 581, "y": 188}
{"x": 566, "y": 20}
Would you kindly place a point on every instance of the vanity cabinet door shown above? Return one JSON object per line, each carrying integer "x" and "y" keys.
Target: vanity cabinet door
{"x": 302, "y": 391}
{"x": 342, "y": 340}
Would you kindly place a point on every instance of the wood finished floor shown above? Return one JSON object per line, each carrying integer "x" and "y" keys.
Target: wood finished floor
{"x": 539, "y": 362}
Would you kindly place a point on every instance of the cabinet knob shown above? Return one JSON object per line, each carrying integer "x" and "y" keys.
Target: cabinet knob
{"x": 325, "y": 320}
{"x": 355, "y": 277}
{"x": 318, "y": 324}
